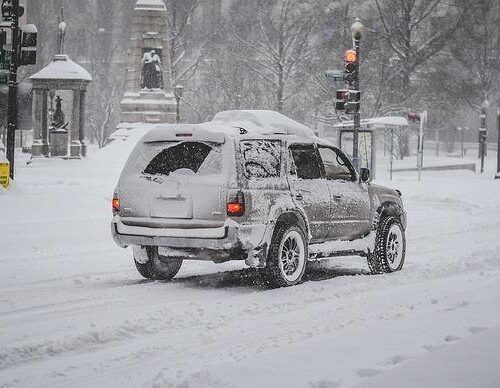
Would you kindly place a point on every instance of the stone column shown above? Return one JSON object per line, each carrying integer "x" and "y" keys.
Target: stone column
{"x": 45, "y": 132}
{"x": 81, "y": 125}
{"x": 75, "y": 145}
{"x": 37, "y": 149}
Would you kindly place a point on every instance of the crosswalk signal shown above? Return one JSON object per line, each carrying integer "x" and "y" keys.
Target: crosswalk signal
{"x": 28, "y": 45}
{"x": 352, "y": 105}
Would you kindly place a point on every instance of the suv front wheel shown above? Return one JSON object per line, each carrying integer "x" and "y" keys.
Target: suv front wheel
{"x": 390, "y": 247}
{"x": 287, "y": 258}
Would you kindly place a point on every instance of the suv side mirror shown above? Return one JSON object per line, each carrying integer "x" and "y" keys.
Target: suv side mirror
{"x": 364, "y": 175}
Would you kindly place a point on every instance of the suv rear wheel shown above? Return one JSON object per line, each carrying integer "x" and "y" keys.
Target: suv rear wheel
{"x": 158, "y": 267}
{"x": 287, "y": 257}
{"x": 390, "y": 247}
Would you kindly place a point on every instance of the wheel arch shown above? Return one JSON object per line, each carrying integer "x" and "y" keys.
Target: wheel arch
{"x": 291, "y": 217}
{"x": 386, "y": 209}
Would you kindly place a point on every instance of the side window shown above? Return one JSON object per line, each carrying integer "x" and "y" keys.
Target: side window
{"x": 306, "y": 161}
{"x": 336, "y": 165}
{"x": 261, "y": 158}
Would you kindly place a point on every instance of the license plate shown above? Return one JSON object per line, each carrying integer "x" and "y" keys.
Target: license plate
{"x": 171, "y": 206}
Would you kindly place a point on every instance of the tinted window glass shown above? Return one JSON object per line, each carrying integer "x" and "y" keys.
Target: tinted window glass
{"x": 306, "y": 162}
{"x": 189, "y": 157}
{"x": 261, "y": 158}
{"x": 335, "y": 165}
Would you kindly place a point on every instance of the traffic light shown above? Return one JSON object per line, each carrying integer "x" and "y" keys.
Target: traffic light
{"x": 28, "y": 45}
{"x": 350, "y": 68}
{"x": 413, "y": 117}
{"x": 341, "y": 98}
{"x": 8, "y": 10}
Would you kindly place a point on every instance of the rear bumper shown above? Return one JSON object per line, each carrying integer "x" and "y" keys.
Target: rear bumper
{"x": 231, "y": 241}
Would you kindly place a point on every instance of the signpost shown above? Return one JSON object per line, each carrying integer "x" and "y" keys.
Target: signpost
{"x": 420, "y": 148}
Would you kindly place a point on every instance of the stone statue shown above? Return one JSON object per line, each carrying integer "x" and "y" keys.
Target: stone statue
{"x": 58, "y": 122}
{"x": 152, "y": 71}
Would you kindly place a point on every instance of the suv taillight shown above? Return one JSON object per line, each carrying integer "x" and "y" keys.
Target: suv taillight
{"x": 236, "y": 205}
{"x": 115, "y": 205}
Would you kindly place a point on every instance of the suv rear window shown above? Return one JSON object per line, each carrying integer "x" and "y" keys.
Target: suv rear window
{"x": 186, "y": 157}
{"x": 261, "y": 158}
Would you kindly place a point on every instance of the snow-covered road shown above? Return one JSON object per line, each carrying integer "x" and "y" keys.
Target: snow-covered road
{"x": 74, "y": 312}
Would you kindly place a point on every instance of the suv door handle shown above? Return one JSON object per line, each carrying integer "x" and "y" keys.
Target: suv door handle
{"x": 337, "y": 197}
{"x": 299, "y": 196}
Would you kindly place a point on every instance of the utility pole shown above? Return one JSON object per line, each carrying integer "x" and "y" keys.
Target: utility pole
{"x": 12, "y": 104}
{"x": 497, "y": 176}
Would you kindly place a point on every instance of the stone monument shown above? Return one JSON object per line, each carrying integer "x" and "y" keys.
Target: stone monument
{"x": 148, "y": 94}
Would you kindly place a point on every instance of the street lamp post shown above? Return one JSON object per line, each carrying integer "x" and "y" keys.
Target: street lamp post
{"x": 482, "y": 133}
{"x": 178, "y": 89}
{"x": 357, "y": 32}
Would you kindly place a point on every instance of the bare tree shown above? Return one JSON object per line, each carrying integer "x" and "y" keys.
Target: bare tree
{"x": 278, "y": 51}
{"x": 414, "y": 31}
{"x": 106, "y": 59}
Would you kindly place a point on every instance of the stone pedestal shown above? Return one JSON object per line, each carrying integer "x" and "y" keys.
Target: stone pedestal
{"x": 58, "y": 143}
{"x": 149, "y": 32}
{"x": 148, "y": 106}
{"x": 75, "y": 149}
{"x": 39, "y": 148}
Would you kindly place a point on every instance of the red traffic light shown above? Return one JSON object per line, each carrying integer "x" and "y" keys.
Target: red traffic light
{"x": 350, "y": 56}
{"x": 413, "y": 117}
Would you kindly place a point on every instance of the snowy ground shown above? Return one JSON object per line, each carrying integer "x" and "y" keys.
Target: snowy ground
{"x": 74, "y": 312}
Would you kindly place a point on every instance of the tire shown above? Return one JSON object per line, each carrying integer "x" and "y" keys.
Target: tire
{"x": 287, "y": 257}
{"x": 390, "y": 247}
{"x": 158, "y": 267}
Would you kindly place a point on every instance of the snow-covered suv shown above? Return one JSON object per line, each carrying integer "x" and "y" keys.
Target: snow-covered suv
{"x": 254, "y": 186}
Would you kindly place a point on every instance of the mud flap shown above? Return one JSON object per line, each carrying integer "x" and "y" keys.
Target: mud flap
{"x": 140, "y": 254}
{"x": 257, "y": 257}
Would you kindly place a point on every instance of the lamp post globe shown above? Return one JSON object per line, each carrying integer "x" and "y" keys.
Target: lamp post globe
{"x": 178, "y": 90}
{"x": 357, "y": 29}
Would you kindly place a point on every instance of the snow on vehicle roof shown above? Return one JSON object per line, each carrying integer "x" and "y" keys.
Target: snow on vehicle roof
{"x": 62, "y": 68}
{"x": 228, "y": 124}
{"x": 263, "y": 122}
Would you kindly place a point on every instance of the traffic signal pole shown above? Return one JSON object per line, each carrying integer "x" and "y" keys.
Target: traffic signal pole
{"x": 12, "y": 103}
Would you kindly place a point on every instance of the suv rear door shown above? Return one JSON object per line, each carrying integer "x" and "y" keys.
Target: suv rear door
{"x": 350, "y": 200}
{"x": 308, "y": 188}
